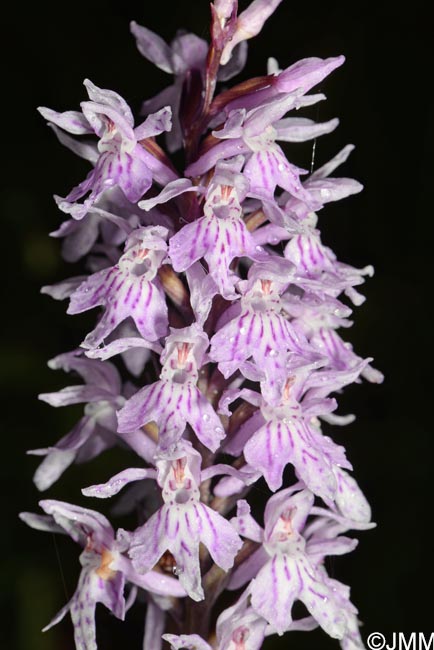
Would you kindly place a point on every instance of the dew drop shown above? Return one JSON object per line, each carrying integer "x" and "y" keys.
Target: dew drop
{"x": 218, "y": 430}
{"x": 205, "y": 417}
{"x": 177, "y": 570}
{"x": 272, "y": 353}
{"x": 242, "y": 330}
{"x": 281, "y": 167}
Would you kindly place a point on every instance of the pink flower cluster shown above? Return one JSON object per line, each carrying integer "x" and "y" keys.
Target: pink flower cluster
{"x": 222, "y": 307}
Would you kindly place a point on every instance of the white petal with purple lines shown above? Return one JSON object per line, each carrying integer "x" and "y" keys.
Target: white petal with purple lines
{"x": 277, "y": 443}
{"x": 172, "y": 406}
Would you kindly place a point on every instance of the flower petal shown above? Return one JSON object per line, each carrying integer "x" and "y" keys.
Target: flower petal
{"x": 117, "y": 482}
{"x": 278, "y": 443}
{"x": 45, "y": 523}
{"x": 152, "y": 47}
{"x": 71, "y": 121}
{"x": 219, "y": 536}
{"x": 274, "y": 590}
{"x": 187, "y": 641}
{"x": 79, "y": 523}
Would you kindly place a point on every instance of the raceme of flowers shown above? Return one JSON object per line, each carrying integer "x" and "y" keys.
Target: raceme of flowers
{"x": 216, "y": 356}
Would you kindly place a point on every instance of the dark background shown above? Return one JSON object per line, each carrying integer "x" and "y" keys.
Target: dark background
{"x": 383, "y": 97}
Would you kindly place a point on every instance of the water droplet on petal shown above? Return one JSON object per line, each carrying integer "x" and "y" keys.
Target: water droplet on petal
{"x": 177, "y": 570}
{"x": 205, "y": 417}
{"x": 218, "y": 430}
{"x": 242, "y": 330}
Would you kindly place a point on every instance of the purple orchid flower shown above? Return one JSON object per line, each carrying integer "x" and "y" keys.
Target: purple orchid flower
{"x": 104, "y": 568}
{"x": 289, "y": 570}
{"x": 322, "y": 188}
{"x": 299, "y": 77}
{"x": 318, "y": 269}
{"x": 254, "y": 135}
{"x": 175, "y": 400}
{"x": 128, "y": 289}
{"x": 122, "y": 161}
{"x": 110, "y": 220}
{"x": 286, "y": 432}
{"x": 185, "y": 55}
{"x": 238, "y": 627}
{"x": 96, "y": 431}
{"x": 221, "y": 234}
{"x": 340, "y": 354}
{"x": 257, "y": 327}
{"x": 182, "y": 522}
